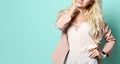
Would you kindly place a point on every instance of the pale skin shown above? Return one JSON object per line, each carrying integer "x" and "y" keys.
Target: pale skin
{"x": 79, "y": 19}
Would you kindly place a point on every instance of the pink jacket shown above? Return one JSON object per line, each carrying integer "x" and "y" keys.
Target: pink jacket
{"x": 62, "y": 48}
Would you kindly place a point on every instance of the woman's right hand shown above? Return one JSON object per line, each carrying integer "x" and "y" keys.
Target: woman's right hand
{"x": 73, "y": 9}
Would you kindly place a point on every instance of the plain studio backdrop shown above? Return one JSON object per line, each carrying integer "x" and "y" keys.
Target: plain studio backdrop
{"x": 28, "y": 34}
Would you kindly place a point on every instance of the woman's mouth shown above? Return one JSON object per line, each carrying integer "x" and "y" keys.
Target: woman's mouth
{"x": 80, "y": 2}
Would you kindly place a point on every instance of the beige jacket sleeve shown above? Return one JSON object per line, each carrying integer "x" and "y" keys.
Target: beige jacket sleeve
{"x": 61, "y": 50}
{"x": 62, "y": 21}
{"x": 110, "y": 40}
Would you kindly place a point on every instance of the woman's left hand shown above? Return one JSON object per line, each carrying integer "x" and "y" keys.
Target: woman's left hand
{"x": 95, "y": 53}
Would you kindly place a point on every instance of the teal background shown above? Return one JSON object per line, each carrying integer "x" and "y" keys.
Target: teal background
{"x": 28, "y": 34}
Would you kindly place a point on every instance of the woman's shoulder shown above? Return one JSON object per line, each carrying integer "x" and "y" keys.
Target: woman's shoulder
{"x": 63, "y": 11}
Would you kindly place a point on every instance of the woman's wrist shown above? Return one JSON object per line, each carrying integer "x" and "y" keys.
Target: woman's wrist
{"x": 72, "y": 11}
{"x": 104, "y": 55}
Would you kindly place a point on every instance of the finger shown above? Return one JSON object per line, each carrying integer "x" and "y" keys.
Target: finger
{"x": 73, "y": 1}
{"x": 92, "y": 49}
{"x": 92, "y": 55}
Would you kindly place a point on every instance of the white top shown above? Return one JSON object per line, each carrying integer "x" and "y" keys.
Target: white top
{"x": 79, "y": 37}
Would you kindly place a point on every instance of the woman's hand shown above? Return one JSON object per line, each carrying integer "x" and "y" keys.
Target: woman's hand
{"x": 73, "y": 9}
{"x": 95, "y": 53}
{"x": 74, "y": 3}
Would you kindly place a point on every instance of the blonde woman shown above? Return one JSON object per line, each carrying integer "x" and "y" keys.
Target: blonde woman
{"x": 83, "y": 27}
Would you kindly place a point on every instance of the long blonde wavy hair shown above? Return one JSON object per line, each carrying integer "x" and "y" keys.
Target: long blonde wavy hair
{"x": 95, "y": 16}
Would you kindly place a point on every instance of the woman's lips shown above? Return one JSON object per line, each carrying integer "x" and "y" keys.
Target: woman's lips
{"x": 80, "y": 2}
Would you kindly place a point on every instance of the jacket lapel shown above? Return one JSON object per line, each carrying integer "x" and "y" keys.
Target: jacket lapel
{"x": 61, "y": 51}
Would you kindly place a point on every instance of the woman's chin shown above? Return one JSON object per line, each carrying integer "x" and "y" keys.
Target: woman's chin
{"x": 78, "y": 5}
